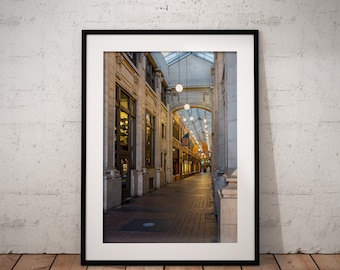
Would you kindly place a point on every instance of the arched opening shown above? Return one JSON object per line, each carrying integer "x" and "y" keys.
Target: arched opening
{"x": 192, "y": 141}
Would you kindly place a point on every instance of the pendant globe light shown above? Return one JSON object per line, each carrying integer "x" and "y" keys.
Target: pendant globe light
{"x": 179, "y": 86}
{"x": 187, "y": 105}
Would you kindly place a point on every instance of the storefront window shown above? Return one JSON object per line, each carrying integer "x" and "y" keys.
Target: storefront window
{"x": 175, "y": 161}
{"x": 149, "y": 139}
{"x": 124, "y": 131}
{"x": 163, "y": 94}
{"x": 150, "y": 74}
{"x": 124, "y": 100}
{"x": 124, "y": 138}
{"x": 175, "y": 130}
{"x": 133, "y": 57}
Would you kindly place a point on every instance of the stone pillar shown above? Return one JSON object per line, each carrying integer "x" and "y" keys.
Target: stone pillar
{"x": 231, "y": 116}
{"x": 228, "y": 212}
{"x": 158, "y": 178}
{"x": 140, "y": 122}
{"x": 218, "y": 182}
{"x": 112, "y": 191}
{"x": 109, "y": 105}
{"x": 158, "y": 134}
{"x": 224, "y": 112}
{"x": 140, "y": 181}
{"x": 169, "y": 165}
{"x": 112, "y": 184}
{"x": 219, "y": 125}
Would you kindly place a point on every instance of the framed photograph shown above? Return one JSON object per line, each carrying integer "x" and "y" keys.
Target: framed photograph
{"x": 170, "y": 170}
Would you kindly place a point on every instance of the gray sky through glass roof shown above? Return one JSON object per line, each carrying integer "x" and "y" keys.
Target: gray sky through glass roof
{"x": 173, "y": 57}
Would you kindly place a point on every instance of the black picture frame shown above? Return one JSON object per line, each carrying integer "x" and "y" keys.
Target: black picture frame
{"x": 93, "y": 250}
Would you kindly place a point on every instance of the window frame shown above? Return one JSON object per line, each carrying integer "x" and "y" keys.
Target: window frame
{"x": 149, "y": 148}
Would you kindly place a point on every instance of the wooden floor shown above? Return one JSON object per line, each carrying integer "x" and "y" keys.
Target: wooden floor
{"x": 72, "y": 262}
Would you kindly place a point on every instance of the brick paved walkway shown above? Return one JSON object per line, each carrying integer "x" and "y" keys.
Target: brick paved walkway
{"x": 182, "y": 212}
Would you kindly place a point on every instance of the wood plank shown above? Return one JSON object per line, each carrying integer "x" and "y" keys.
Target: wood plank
{"x": 231, "y": 267}
{"x": 67, "y": 262}
{"x": 296, "y": 261}
{"x": 327, "y": 261}
{"x": 7, "y": 261}
{"x": 106, "y": 267}
{"x": 171, "y": 267}
{"x": 154, "y": 267}
{"x": 34, "y": 261}
{"x": 267, "y": 262}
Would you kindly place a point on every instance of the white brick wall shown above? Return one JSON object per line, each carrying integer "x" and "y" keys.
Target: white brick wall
{"x": 40, "y": 113}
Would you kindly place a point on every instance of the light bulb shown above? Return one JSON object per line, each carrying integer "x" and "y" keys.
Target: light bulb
{"x": 179, "y": 88}
{"x": 187, "y": 106}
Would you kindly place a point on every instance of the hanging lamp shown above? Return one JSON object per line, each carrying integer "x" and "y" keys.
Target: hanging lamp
{"x": 187, "y": 105}
{"x": 179, "y": 86}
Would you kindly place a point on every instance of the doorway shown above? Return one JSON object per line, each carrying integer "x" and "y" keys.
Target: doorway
{"x": 125, "y": 175}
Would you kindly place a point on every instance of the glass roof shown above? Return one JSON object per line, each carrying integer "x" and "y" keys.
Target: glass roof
{"x": 172, "y": 57}
{"x": 198, "y": 121}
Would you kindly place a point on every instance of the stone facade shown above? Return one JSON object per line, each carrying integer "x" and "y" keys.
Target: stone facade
{"x": 120, "y": 70}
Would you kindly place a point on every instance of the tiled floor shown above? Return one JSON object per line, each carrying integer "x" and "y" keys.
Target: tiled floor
{"x": 179, "y": 212}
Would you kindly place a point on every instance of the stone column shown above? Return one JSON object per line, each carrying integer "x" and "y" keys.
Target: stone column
{"x": 225, "y": 144}
{"x": 140, "y": 123}
{"x": 111, "y": 176}
{"x": 158, "y": 136}
{"x": 228, "y": 212}
{"x": 112, "y": 189}
{"x": 220, "y": 129}
{"x": 140, "y": 181}
{"x": 169, "y": 160}
{"x": 219, "y": 182}
{"x": 231, "y": 116}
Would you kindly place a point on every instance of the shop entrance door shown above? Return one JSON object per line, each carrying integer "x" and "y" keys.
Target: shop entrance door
{"x": 125, "y": 174}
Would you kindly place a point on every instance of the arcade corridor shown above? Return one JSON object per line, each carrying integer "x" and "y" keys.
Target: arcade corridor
{"x": 170, "y": 146}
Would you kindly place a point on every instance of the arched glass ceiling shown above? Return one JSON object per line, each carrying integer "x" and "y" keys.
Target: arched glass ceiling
{"x": 198, "y": 121}
{"x": 172, "y": 57}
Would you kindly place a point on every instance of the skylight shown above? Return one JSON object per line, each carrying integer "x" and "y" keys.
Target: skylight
{"x": 173, "y": 57}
